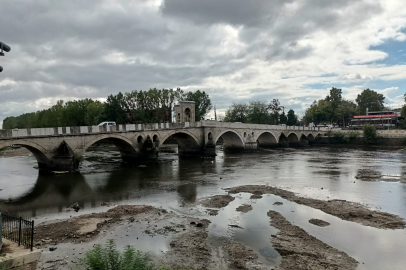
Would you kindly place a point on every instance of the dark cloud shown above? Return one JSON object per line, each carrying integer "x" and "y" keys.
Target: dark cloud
{"x": 77, "y": 49}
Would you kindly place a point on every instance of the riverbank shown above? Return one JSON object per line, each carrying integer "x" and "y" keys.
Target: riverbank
{"x": 186, "y": 242}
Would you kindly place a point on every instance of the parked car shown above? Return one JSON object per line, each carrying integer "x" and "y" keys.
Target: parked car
{"x": 107, "y": 123}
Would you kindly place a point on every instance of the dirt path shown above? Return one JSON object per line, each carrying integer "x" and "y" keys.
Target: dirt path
{"x": 345, "y": 210}
{"x": 301, "y": 251}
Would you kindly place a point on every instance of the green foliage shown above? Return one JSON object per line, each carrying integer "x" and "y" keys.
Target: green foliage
{"x": 274, "y": 108}
{"x": 152, "y": 106}
{"x": 369, "y": 133}
{"x": 353, "y": 135}
{"x": 237, "y": 112}
{"x": 402, "y": 124}
{"x": 371, "y": 100}
{"x": 283, "y": 119}
{"x": 109, "y": 258}
{"x": 258, "y": 113}
{"x": 202, "y": 103}
{"x": 339, "y": 137}
{"x": 292, "y": 118}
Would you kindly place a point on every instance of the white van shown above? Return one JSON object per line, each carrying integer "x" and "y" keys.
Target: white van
{"x": 107, "y": 123}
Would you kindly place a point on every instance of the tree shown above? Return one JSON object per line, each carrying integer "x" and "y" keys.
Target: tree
{"x": 114, "y": 109}
{"x": 202, "y": 103}
{"x": 258, "y": 113}
{"x": 275, "y": 108}
{"x": 283, "y": 119}
{"x": 347, "y": 109}
{"x": 237, "y": 112}
{"x": 292, "y": 118}
{"x": 371, "y": 100}
{"x": 94, "y": 113}
{"x": 333, "y": 101}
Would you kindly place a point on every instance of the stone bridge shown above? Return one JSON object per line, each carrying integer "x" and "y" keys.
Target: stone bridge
{"x": 61, "y": 148}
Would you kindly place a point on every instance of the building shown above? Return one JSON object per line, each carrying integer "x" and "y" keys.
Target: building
{"x": 380, "y": 119}
{"x": 185, "y": 111}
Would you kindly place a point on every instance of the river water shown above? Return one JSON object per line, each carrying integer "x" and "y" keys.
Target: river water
{"x": 178, "y": 184}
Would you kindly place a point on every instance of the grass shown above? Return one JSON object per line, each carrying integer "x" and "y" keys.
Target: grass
{"x": 108, "y": 257}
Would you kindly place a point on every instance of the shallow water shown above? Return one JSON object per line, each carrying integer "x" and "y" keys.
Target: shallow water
{"x": 177, "y": 184}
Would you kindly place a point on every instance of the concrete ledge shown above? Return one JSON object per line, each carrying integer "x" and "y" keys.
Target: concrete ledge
{"x": 14, "y": 256}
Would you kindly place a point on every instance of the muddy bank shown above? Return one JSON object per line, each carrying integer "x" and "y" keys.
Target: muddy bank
{"x": 345, "y": 210}
{"x": 245, "y": 208}
{"x": 85, "y": 227}
{"x": 299, "y": 250}
{"x": 319, "y": 222}
{"x": 218, "y": 201}
{"x": 374, "y": 176}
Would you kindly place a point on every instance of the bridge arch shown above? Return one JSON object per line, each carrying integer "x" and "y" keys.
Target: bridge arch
{"x": 38, "y": 151}
{"x": 267, "y": 139}
{"x": 128, "y": 152}
{"x": 232, "y": 141}
{"x": 188, "y": 144}
{"x": 310, "y": 137}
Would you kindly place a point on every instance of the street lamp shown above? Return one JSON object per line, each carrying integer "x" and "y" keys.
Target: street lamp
{"x": 3, "y": 47}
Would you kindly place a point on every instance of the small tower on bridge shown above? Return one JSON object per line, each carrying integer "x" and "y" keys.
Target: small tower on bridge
{"x": 185, "y": 111}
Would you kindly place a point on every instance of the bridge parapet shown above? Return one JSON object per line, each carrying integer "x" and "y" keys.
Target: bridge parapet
{"x": 81, "y": 130}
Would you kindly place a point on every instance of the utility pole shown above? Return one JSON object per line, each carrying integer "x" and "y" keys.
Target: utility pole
{"x": 215, "y": 114}
{"x": 3, "y": 47}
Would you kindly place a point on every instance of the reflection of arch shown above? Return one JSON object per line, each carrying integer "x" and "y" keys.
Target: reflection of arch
{"x": 231, "y": 140}
{"x": 38, "y": 151}
{"x": 187, "y": 142}
{"x": 123, "y": 144}
{"x": 267, "y": 139}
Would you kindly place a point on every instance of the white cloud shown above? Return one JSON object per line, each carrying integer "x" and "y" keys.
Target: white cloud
{"x": 234, "y": 51}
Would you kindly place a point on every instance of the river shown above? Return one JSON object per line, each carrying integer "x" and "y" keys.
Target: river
{"x": 177, "y": 184}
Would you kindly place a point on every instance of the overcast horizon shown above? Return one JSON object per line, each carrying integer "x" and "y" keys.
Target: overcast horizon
{"x": 236, "y": 51}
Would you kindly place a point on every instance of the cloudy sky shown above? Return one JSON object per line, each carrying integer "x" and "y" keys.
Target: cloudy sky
{"x": 236, "y": 50}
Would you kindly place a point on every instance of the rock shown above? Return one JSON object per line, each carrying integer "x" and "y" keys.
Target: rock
{"x": 278, "y": 203}
{"x": 131, "y": 219}
{"x": 192, "y": 223}
{"x": 75, "y": 206}
{"x": 199, "y": 225}
{"x": 52, "y": 248}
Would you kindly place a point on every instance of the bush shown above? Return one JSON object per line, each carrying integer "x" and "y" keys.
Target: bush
{"x": 402, "y": 124}
{"x": 353, "y": 135}
{"x": 369, "y": 133}
{"x": 109, "y": 258}
{"x": 339, "y": 137}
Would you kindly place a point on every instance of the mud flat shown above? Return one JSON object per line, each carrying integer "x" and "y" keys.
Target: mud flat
{"x": 218, "y": 201}
{"x": 245, "y": 208}
{"x": 299, "y": 250}
{"x": 375, "y": 176}
{"x": 345, "y": 210}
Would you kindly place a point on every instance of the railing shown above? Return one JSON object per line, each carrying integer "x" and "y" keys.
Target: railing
{"x": 18, "y": 230}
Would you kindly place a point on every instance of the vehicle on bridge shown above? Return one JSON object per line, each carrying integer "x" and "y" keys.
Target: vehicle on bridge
{"x": 107, "y": 123}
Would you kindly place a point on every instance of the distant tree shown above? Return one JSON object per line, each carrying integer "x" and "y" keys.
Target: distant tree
{"x": 258, "y": 113}
{"x": 347, "y": 109}
{"x": 237, "y": 112}
{"x": 275, "y": 108}
{"x": 292, "y": 118}
{"x": 202, "y": 103}
{"x": 283, "y": 119}
{"x": 371, "y": 100}
{"x": 114, "y": 109}
{"x": 94, "y": 112}
{"x": 333, "y": 102}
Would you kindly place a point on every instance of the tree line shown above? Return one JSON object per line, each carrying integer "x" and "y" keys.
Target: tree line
{"x": 260, "y": 112}
{"x": 152, "y": 106}
{"x": 334, "y": 109}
